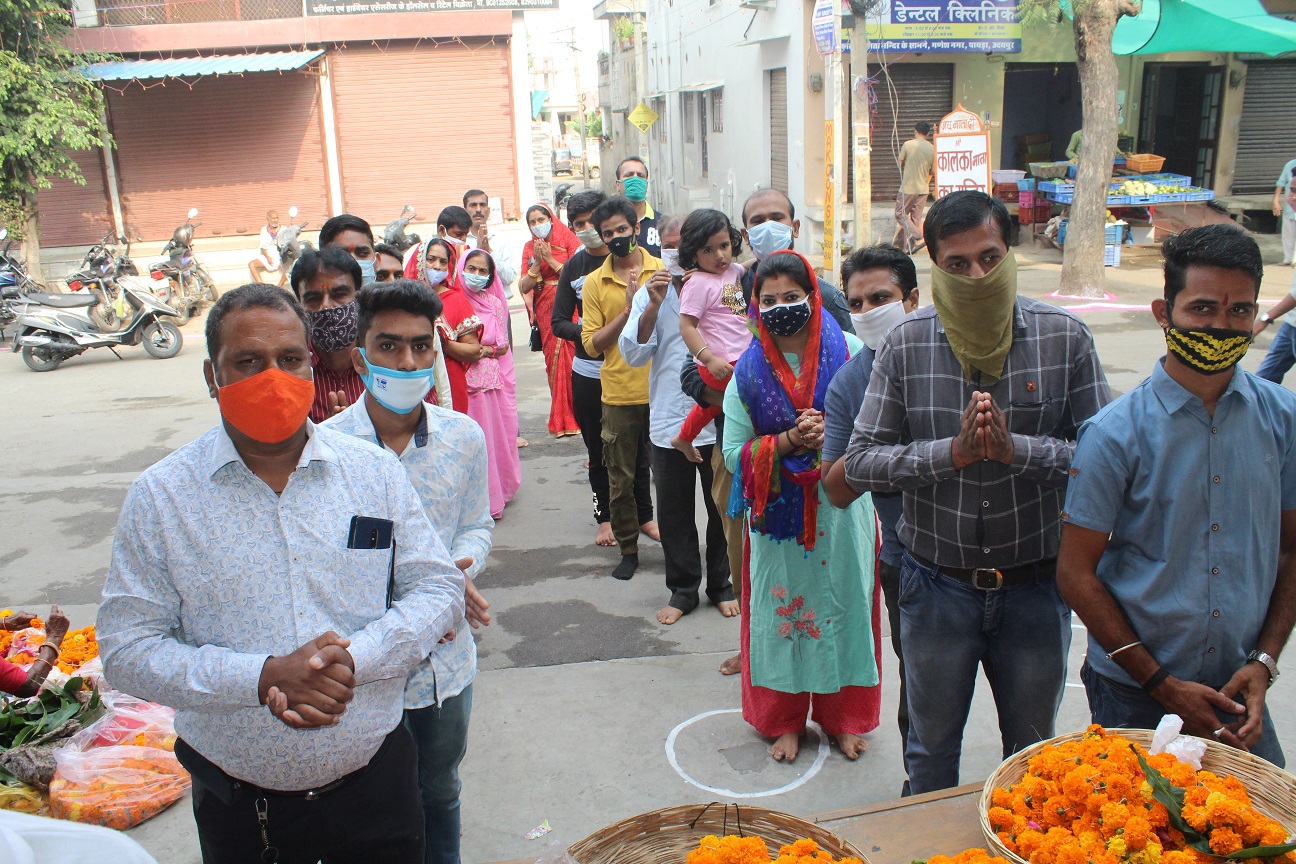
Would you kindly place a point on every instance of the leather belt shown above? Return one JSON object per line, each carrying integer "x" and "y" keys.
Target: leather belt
{"x": 990, "y": 578}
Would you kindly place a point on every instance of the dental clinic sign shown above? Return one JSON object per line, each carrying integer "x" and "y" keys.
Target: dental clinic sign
{"x": 983, "y": 26}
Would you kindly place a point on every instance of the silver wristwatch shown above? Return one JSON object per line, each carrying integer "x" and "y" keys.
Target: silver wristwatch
{"x": 1269, "y": 663}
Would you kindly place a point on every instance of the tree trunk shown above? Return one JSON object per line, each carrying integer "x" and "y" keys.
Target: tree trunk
{"x": 1082, "y": 259}
{"x": 31, "y": 246}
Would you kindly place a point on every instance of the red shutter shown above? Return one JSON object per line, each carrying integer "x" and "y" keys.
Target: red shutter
{"x": 232, "y": 146}
{"x": 72, "y": 214}
{"x": 420, "y": 123}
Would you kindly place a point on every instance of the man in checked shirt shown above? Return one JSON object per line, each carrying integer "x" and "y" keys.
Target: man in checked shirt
{"x": 972, "y": 412}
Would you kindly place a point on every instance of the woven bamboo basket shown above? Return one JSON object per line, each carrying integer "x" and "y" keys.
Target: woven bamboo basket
{"x": 666, "y": 836}
{"x": 1272, "y": 790}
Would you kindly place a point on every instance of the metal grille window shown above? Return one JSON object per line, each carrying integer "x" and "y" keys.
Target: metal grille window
{"x": 660, "y": 127}
{"x": 717, "y": 109}
{"x": 119, "y": 13}
{"x": 689, "y": 112}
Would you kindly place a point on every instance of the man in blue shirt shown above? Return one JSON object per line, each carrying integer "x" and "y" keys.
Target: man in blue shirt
{"x": 1180, "y": 517}
{"x": 1282, "y": 208}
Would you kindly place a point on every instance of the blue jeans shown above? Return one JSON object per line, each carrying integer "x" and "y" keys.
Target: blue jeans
{"x": 1281, "y": 356}
{"x": 1020, "y": 635}
{"x": 441, "y": 738}
{"x": 1114, "y": 705}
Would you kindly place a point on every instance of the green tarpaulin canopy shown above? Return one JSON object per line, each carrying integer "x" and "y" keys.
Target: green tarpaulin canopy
{"x": 1241, "y": 26}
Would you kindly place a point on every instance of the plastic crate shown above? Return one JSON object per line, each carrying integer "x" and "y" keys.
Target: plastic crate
{"x": 1071, "y": 171}
{"x": 1200, "y": 195}
{"x": 1041, "y": 212}
{"x": 1006, "y": 176}
{"x": 1054, "y": 186}
{"x": 1006, "y": 192}
{"x": 1140, "y": 200}
{"x": 1025, "y": 199}
{"x": 1170, "y": 179}
{"x": 1112, "y": 234}
{"x": 1026, "y": 184}
{"x": 1061, "y": 197}
{"x": 1111, "y": 255}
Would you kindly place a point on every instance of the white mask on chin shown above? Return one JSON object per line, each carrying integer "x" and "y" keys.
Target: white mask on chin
{"x": 872, "y": 325}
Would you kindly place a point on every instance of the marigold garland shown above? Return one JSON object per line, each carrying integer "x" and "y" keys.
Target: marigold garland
{"x": 752, "y": 850}
{"x": 79, "y": 646}
{"x": 1086, "y": 801}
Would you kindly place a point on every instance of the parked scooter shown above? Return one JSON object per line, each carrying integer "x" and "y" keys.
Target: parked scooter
{"x": 101, "y": 276}
{"x": 290, "y": 247}
{"x": 55, "y": 327}
{"x": 13, "y": 270}
{"x": 394, "y": 234}
{"x": 188, "y": 283}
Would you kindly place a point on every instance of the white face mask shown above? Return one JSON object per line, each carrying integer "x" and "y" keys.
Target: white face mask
{"x": 670, "y": 257}
{"x": 872, "y": 325}
{"x": 542, "y": 230}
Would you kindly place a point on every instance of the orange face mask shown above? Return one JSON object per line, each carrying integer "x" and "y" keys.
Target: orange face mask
{"x": 268, "y": 407}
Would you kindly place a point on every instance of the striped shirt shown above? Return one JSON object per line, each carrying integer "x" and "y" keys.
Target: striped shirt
{"x": 989, "y": 514}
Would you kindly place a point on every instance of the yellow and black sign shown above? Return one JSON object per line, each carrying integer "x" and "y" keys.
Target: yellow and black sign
{"x": 643, "y": 117}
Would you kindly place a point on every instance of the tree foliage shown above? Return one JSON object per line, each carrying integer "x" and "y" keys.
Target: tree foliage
{"x": 593, "y": 124}
{"x": 49, "y": 108}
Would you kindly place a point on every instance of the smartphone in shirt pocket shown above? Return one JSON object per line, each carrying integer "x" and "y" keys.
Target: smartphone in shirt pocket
{"x": 370, "y": 532}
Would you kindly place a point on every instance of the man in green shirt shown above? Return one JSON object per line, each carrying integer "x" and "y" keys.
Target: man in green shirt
{"x": 916, "y": 159}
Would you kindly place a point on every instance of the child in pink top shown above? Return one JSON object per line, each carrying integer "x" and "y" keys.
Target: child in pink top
{"x": 713, "y": 313}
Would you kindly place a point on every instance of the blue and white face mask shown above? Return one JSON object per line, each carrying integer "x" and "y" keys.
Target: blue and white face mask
{"x": 367, "y": 274}
{"x": 769, "y": 237}
{"x": 396, "y": 390}
{"x": 436, "y": 277}
{"x": 476, "y": 281}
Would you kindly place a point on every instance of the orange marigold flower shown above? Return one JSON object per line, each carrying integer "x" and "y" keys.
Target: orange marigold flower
{"x": 1224, "y": 841}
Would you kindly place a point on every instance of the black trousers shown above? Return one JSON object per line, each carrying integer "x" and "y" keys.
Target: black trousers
{"x": 376, "y": 815}
{"x": 676, "y": 480}
{"x": 587, "y": 406}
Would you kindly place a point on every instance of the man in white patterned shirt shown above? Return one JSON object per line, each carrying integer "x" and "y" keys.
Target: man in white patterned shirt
{"x": 445, "y": 455}
{"x": 972, "y": 411}
{"x": 236, "y": 564}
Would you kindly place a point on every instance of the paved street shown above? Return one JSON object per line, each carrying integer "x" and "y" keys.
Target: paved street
{"x": 580, "y": 687}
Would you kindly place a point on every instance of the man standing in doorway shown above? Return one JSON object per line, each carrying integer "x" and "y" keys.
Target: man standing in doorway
{"x": 971, "y": 411}
{"x": 477, "y": 203}
{"x": 916, "y": 159}
{"x": 652, "y": 336}
{"x": 267, "y": 260}
{"x": 632, "y": 182}
{"x": 608, "y": 294}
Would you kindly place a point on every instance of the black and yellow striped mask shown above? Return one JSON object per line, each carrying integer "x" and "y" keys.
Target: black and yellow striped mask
{"x": 1208, "y": 350}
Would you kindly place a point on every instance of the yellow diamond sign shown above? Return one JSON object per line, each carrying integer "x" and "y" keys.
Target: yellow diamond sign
{"x": 643, "y": 117}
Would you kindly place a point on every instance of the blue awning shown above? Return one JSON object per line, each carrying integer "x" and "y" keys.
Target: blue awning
{"x": 196, "y": 67}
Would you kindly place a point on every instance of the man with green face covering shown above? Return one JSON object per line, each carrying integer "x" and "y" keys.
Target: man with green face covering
{"x": 972, "y": 412}
{"x": 632, "y": 182}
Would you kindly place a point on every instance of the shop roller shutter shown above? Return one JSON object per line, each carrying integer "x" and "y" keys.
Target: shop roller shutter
{"x": 1267, "y": 129}
{"x": 72, "y": 214}
{"x": 778, "y": 129}
{"x": 421, "y": 123}
{"x": 923, "y": 91}
{"x": 232, "y": 146}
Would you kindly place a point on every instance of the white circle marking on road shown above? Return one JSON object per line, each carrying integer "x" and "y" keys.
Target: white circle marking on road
{"x": 820, "y": 758}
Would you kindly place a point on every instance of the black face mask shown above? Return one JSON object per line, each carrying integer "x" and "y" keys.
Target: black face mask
{"x": 621, "y": 247}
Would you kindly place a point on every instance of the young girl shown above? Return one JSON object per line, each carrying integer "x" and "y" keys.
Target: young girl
{"x": 713, "y": 313}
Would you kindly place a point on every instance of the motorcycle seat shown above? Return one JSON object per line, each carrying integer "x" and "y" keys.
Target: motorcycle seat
{"x": 64, "y": 301}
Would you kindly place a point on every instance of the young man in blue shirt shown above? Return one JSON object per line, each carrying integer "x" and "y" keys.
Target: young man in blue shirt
{"x": 1180, "y": 520}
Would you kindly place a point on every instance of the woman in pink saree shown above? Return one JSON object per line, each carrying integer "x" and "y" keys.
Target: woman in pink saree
{"x": 492, "y": 384}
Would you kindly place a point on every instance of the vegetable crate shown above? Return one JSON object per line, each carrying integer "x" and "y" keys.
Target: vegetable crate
{"x": 1006, "y": 192}
{"x": 1111, "y": 255}
{"x": 1166, "y": 179}
{"x": 1048, "y": 170}
{"x": 1050, "y": 186}
{"x": 1144, "y": 163}
{"x": 1111, "y": 233}
{"x": 1041, "y": 212}
{"x": 1025, "y": 198}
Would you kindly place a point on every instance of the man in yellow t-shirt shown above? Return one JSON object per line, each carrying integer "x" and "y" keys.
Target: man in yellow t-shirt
{"x": 916, "y": 158}
{"x": 606, "y": 297}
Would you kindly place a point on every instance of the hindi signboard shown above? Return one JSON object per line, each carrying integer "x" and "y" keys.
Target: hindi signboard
{"x": 362, "y": 7}
{"x": 824, "y": 24}
{"x": 946, "y": 25}
{"x": 830, "y": 203}
{"x": 962, "y": 153}
{"x": 643, "y": 117}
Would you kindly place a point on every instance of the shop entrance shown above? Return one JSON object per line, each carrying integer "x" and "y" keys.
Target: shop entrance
{"x": 1180, "y": 117}
{"x": 1041, "y": 107}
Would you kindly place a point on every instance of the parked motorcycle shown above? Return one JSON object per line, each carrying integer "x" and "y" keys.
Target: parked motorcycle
{"x": 394, "y": 234}
{"x": 290, "y": 247}
{"x": 13, "y": 270}
{"x": 54, "y": 327}
{"x": 101, "y": 276}
{"x": 188, "y": 284}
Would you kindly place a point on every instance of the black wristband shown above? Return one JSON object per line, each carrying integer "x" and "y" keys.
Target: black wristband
{"x": 1158, "y": 678}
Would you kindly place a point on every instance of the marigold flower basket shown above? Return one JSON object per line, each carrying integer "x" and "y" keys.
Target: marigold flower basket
{"x": 666, "y": 836}
{"x": 1272, "y": 790}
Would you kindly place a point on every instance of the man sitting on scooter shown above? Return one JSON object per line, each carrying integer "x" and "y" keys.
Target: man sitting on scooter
{"x": 267, "y": 260}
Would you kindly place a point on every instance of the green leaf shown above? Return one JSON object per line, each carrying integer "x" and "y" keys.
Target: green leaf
{"x": 1263, "y": 851}
{"x": 1173, "y": 799}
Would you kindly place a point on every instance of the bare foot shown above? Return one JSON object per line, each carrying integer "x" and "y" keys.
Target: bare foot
{"x": 687, "y": 448}
{"x": 650, "y": 528}
{"x": 605, "y": 536}
{"x": 728, "y": 608}
{"x": 668, "y": 615}
{"x": 522, "y": 442}
{"x": 732, "y": 666}
{"x": 852, "y": 746}
{"x": 786, "y": 747}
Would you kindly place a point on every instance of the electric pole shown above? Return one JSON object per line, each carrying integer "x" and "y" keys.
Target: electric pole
{"x": 861, "y": 134}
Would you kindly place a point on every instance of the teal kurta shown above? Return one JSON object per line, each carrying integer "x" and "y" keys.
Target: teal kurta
{"x": 811, "y": 612}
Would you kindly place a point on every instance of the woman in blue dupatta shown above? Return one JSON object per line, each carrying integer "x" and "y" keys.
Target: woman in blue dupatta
{"x": 809, "y": 627}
